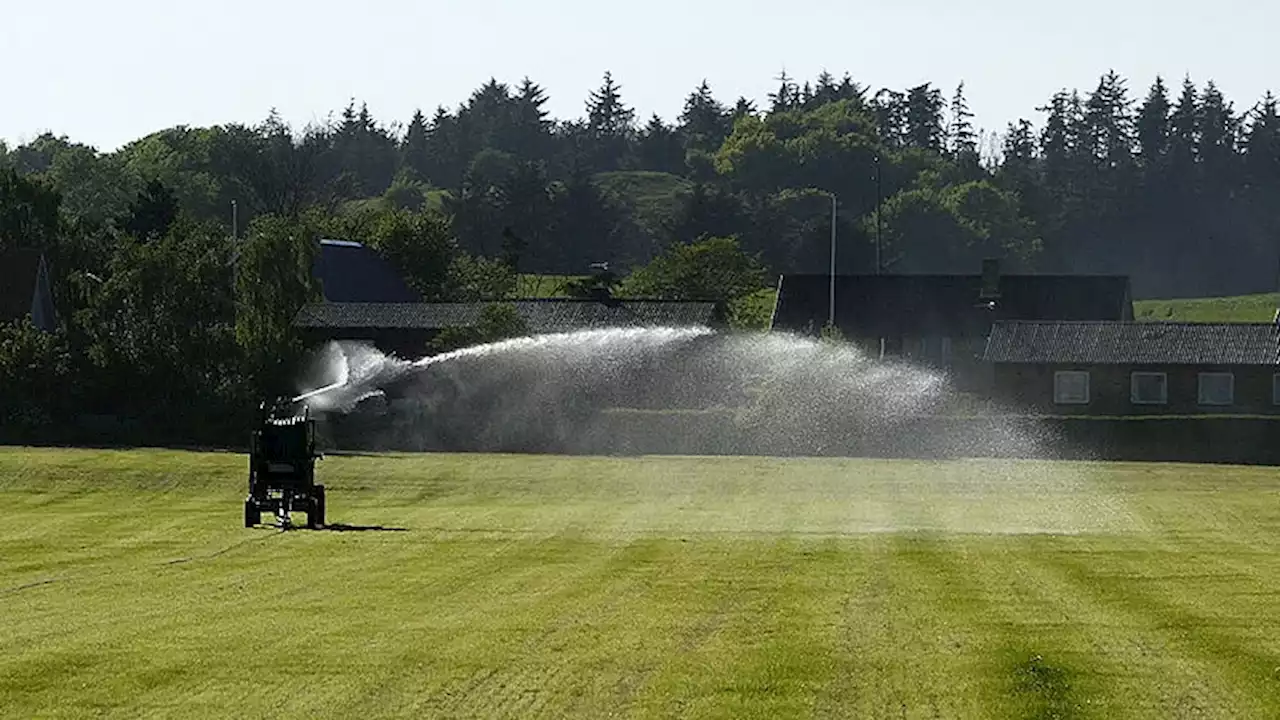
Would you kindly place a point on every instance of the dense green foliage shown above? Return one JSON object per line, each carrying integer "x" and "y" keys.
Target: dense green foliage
{"x": 1172, "y": 186}
{"x": 179, "y": 259}
{"x": 554, "y": 587}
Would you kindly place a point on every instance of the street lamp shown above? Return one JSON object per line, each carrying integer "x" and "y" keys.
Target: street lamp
{"x": 831, "y": 308}
{"x": 878, "y": 202}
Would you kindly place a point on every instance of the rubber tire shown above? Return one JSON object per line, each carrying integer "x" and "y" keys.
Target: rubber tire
{"x": 252, "y": 515}
{"x": 315, "y": 518}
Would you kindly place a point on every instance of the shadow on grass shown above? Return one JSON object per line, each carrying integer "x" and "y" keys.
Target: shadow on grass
{"x": 359, "y": 528}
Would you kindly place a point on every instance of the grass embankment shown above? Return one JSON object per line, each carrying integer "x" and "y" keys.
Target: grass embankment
{"x": 652, "y": 587}
{"x": 1245, "y": 308}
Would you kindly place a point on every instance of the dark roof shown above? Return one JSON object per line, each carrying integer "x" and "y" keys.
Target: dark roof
{"x": 890, "y": 305}
{"x": 541, "y": 316}
{"x": 19, "y": 273}
{"x": 352, "y": 273}
{"x": 1134, "y": 343}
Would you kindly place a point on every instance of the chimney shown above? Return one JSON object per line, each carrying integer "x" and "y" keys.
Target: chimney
{"x": 990, "y": 279}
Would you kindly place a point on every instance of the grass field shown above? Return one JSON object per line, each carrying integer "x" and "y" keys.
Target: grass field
{"x": 524, "y": 587}
{"x": 1244, "y": 308}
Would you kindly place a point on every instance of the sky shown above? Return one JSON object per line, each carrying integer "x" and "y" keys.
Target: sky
{"x": 106, "y": 73}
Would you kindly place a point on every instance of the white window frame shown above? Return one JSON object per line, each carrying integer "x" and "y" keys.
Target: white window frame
{"x": 1133, "y": 388}
{"x": 1231, "y": 389}
{"x": 1057, "y": 395}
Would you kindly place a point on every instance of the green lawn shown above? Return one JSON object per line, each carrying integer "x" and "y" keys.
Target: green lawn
{"x": 530, "y": 285}
{"x": 649, "y": 587}
{"x": 1245, "y": 308}
{"x": 654, "y": 197}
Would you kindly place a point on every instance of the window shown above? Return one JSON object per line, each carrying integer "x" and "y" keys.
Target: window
{"x": 1149, "y": 388}
{"x": 1071, "y": 387}
{"x": 1217, "y": 388}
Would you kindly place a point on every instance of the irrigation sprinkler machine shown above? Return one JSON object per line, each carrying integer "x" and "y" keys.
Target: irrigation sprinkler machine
{"x": 282, "y": 466}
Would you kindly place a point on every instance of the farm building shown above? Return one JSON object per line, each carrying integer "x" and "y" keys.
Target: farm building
{"x": 1137, "y": 368}
{"x": 349, "y": 272}
{"x": 943, "y": 320}
{"x": 26, "y": 291}
{"x": 367, "y": 300}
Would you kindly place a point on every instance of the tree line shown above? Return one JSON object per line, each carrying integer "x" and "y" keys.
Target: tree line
{"x": 165, "y": 291}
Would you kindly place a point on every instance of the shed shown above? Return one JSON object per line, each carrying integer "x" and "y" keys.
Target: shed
{"x": 1137, "y": 368}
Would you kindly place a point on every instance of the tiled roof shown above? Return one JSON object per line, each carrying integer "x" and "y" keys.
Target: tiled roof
{"x": 895, "y": 305}
{"x": 352, "y": 273}
{"x": 19, "y": 273}
{"x": 1134, "y": 343}
{"x": 549, "y": 315}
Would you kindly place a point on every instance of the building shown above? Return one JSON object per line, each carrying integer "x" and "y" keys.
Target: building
{"x": 352, "y": 273}
{"x": 26, "y": 290}
{"x": 943, "y": 320}
{"x": 1137, "y": 368}
{"x": 406, "y": 329}
{"x": 366, "y": 299}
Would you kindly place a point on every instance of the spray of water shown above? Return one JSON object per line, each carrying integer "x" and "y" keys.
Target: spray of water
{"x": 656, "y": 390}
{"x": 693, "y": 391}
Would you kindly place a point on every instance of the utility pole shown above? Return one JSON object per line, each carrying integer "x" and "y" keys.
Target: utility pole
{"x": 879, "y": 197}
{"x": 235, "y": 259}
{"x": 831, "y": 309}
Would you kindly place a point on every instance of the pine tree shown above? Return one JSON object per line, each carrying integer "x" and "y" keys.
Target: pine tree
{"x": 659, "y": 147}
{"x": 607, "y": 116}
{"x": 852, "y": 91}
{"x": 1109, "y": 124}
{"x": 924, "y": 118}
{"x": 704, "y": 122}
{"x": 1019, "y": 145}
{"x": 1184, "y": 139}
{"x": 446, "y": 162}
{"x": 890, "y": 111}
{"x": 1262, "y": 147}
{"x": 1219, "y": 131}
{"x": 826, "y": 90}
{"x": 1153, "y": 127}
{"x": 533, "y": 127}
{"x": 743, "y": 108}
{"x": 530, "y": 99}
{"x": 1053, "y": 138}
{"x": 610, "y": 126}
{"x": 964, "y": 142}
{"x": 787, "y": 96}
{"x": 414, "y": 153}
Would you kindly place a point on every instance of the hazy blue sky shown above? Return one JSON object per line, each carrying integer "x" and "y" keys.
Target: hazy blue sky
{"x": 107, "y": 72}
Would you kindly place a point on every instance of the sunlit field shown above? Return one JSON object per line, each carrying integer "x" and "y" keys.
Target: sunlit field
{"x": 538, "y": 586}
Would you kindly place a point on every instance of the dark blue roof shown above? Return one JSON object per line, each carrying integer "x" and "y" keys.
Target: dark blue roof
{"x": 352, "y": 273}
{"x": 912, "y": 305}
{"x": 1134, "y": 343}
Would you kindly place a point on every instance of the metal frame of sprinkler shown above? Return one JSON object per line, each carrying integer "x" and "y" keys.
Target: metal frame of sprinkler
{"x": 282, "y": 459}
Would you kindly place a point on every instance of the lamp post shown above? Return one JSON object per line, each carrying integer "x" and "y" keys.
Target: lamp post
{"x": 831, "y": 308}
{"x": 878, "y": 202}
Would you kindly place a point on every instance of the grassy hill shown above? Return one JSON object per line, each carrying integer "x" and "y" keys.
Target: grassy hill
{"x": 653, "y": 196}
{"x": 540, "y": 586}
{"x": 1245, "y": 308}
{"x": 543, "y": 286}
